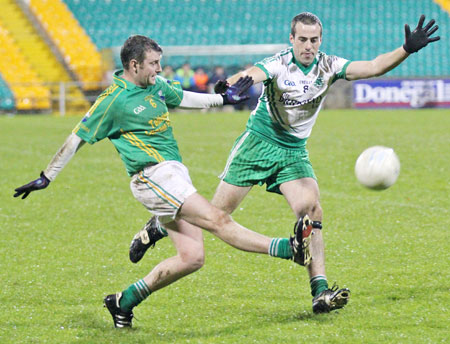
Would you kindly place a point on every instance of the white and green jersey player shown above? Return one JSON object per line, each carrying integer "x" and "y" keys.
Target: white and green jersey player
{"x": 281, "y": 123}
{"x": 272, "y": 150}
{"x": 293, "y": 96}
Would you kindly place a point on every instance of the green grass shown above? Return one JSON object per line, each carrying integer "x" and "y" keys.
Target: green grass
{"x": 63, "y": 249}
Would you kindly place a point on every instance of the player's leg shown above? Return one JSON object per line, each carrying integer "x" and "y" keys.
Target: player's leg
{"x": 228, "y": 197}
{"x": 198, "y": 211}
{"x": 188, "y": 241}
{"x": 302, "y": 196}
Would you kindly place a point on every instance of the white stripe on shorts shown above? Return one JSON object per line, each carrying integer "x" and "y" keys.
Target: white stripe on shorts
{"x": 232, "y": 154}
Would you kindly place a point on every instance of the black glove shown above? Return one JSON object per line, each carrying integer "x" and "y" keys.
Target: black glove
{"x": 38, "y": 184}
{"x": 237, "y": 92}
{"x": 221, "y": 86}
{"x": 420, "y": 37}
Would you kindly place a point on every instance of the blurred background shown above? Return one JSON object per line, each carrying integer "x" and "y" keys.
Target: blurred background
{"x": 56, "y": 56}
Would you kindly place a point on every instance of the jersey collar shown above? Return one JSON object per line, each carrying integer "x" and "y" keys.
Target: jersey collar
{"x": 118, "y": 80}
{"x": 304, "y": 69}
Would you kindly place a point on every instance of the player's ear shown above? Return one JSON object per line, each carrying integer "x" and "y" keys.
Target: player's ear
{"x": 291, "y": 38}
{"x": 133, "y": 66}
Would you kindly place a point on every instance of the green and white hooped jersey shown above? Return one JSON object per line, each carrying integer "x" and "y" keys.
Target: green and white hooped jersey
{"x": 293, "y": 96}
{"x": 136, "y": 120}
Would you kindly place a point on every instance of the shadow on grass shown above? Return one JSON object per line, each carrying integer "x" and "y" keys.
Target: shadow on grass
{"x": 242, "y": 326}
{"x": 92, "y": 325}
{"x": 91, "y": 320}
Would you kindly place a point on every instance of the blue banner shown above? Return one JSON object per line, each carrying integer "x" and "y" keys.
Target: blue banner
{"x": 401, "y": 93}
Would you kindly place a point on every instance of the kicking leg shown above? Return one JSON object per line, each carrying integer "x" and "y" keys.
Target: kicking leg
{"x": 227, "y": 198}
{"x": 198, "y": 211}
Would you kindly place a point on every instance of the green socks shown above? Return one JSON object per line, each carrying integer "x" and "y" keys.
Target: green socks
{"x": 280, "y": 247}
{"x": 134, "y": 295}
{"x": 318, "y": 284}
{"x": 162, "y": 231}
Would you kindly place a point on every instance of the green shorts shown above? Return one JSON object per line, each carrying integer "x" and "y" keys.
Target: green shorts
{"x": 254, "y": 160}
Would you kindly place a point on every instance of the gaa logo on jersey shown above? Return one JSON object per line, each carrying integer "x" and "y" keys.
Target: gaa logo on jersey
{"x": 139, "y": 109}
{"x": 289, "y": 83}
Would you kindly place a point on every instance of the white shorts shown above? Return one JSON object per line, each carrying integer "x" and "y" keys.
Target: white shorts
{"x": 163, "y": 188}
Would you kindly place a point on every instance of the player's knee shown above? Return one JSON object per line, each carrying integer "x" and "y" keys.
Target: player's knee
{"x": 222, "y": 219}
{"x": 313, "y": 210}
{"x": 218, "y": 219}
{"x": 193, "y": 259}
{"x": 316, "y": 212}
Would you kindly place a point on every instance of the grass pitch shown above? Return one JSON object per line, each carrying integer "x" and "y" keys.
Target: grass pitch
{"x": 63, "y": 249}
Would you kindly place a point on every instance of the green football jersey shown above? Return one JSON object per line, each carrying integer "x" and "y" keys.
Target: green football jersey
{"x": 293, "y": 96}
{"x": 136, "y": 120}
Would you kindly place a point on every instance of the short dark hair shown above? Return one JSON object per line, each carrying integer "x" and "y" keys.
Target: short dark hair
{"x": 306, "y": 18}
{"x": 135, "y": 47}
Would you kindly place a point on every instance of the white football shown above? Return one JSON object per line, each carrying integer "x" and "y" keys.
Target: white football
{"x": 377, "y": 167}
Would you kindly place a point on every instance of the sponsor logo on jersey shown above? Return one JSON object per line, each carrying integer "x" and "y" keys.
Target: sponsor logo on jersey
{"x": 139, "y": 109}
{"x": 161, "y": 95}
{"x": 293, "y": 102}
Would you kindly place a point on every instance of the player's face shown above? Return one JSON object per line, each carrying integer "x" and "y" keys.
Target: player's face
{"x": 145, "y": 73}
{"x": 306, "y": 42}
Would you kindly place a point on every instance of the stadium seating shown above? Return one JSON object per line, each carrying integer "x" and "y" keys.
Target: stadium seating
{"x": 38, "y": 54}
{"x": 17, "y": 72}
{"x": 352, "y": 29}
{"x": 445, "y": 4}
{"x": 76, "y": 47}
{"x": 6, "y": 97}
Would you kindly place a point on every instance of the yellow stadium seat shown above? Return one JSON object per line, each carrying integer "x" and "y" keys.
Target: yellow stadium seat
{"x": 72, "y": 41}
{"x": 25, "y": 84}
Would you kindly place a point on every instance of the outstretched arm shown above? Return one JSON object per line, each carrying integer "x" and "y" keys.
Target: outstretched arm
{"x": 378, "y": 66}
{"x": 61, "y": 158}
{"x": 231, "y": 95}
{"x": 414, "y": 41}
{"x": 256, "y": 73}
{"x": 72, "y": 144}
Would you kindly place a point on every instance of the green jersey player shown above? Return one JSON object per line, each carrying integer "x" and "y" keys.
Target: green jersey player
{"x": 133, "y": 114}
{"x": 272, "y": 149}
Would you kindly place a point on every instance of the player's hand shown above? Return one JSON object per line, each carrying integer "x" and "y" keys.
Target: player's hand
{"x": 221, "y": 86}
{"x": 38, "y": 184}
{"x": 420, "y": 37}
{"x": 238, "y": 92}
